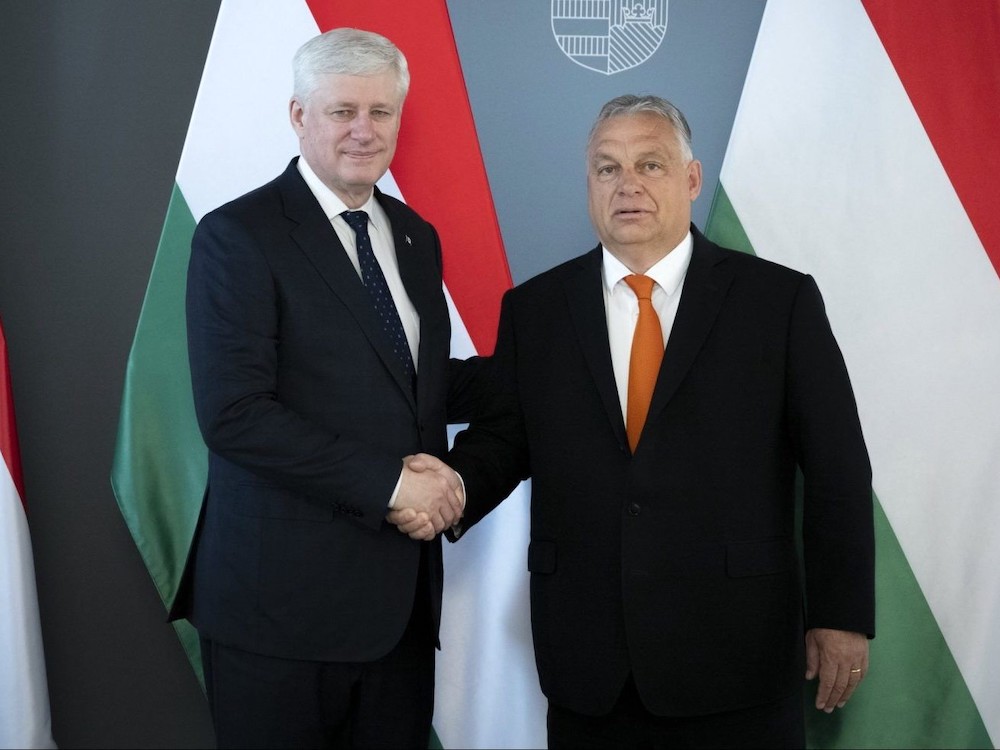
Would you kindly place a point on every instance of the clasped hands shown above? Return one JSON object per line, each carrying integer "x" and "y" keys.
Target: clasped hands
{"x": 430, "y": 498}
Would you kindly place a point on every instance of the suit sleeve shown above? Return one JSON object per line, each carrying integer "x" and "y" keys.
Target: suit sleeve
{"x": 233, "y": 344}
{"x": 468, "y": 387}
{"x": 492, "y": 454}
{"x": 837, "y": 526}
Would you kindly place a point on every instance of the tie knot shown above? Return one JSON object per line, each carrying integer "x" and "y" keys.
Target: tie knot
{"x": 641, "y": 285}
{"x": 357, "y": 220}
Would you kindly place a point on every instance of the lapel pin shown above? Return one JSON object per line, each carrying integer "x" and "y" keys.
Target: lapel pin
{"x": 408, "y": 240}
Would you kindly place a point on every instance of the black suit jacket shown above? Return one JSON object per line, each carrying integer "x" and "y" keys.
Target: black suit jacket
{"x": 679, "y": 563}
{"x": 307, "y": 414}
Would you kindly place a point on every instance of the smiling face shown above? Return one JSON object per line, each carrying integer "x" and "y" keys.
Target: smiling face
{"x": 640, "y": 187}
{"x": 347, "y": 131}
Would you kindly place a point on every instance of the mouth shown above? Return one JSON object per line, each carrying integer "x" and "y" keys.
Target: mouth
{"x": 629, "y": 213}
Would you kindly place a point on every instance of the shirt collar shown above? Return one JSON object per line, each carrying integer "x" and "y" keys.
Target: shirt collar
{"x": 331, "y": 203}
{"x": 668, "y": 272}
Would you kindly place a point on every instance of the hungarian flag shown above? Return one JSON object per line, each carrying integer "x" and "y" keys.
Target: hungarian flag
{"x": 866, "y": 151}
{"x": 240, "y": 138}
{"x": 24, "y": 693}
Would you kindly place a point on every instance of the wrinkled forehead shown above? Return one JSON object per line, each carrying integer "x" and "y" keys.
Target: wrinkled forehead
{"x": 380, "y": 87}
{"x": 644, "y": 132}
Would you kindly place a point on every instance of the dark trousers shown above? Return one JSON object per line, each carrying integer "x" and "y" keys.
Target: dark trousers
{"x": 264, "y": 702}
{"x": 629, "y": 725}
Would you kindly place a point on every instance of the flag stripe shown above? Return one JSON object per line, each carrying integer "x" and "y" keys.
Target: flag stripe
{"x": 8, "y": 444}
{"x": 948, "y": 59}
{"x": 240, "y": 136}
{"x": 160, "y": 462}
{"x": 157, "y": 477}
{"x": 440, "y": 169}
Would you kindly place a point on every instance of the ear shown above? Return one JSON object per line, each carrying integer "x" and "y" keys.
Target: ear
{"x": 694, "y": 178}
{"x": 295, "y": 114}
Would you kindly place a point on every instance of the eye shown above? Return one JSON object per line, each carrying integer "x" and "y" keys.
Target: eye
{"x": 604, "y": 171}
{"x": 342, "y": 115}
{"x": 381, "y": 114}
{"x": 652, "y": 167}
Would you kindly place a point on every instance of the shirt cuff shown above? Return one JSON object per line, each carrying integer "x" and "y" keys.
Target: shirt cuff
{"x": 395, "y": 492}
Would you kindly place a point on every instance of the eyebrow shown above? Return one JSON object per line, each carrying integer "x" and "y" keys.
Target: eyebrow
{"x": 599, "y": 155}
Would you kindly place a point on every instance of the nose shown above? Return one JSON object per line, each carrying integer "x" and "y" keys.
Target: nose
{"x": 361, "y": 127}
{"x": 629, "y": 182}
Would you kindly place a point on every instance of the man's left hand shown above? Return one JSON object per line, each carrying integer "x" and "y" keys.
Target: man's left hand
{"x": 840, "y": 659}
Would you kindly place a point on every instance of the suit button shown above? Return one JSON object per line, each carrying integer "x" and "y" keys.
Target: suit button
{"x": 634, "y": 509}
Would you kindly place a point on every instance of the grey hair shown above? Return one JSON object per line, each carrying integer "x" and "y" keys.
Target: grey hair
{"x": 630, "y": 104}
{"x": 347, "y": 51}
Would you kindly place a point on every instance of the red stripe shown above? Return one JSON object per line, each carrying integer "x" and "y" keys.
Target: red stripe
{"x": 438, "y": 164}
{"x": 947, "y": 54}
{"x": 8, "y": 431}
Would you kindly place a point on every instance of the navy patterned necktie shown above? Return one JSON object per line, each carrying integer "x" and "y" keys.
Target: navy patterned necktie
{"x": 374, "y": 280}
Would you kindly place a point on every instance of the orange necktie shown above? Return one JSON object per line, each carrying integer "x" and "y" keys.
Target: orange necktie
{"x": 644, "y": 362}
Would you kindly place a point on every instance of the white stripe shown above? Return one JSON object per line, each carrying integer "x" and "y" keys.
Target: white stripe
{"x": 487, "y": 684}
{"x": 240, "y": 136}
{"x": 486, "y": 692}
{"x": 24, "y": 697}
{"x": 831, "y": 172}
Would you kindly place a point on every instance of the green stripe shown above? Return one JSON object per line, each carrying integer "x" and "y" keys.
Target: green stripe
{"x": 434, "y": 743}
{"x": 914, "y": 695}
{"x": 161, "y": 463}
{"x": 723, "y": 226}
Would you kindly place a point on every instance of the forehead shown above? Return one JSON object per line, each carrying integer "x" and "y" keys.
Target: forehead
{"x": 380, "y": 88}
{"x": 644, "y": 131}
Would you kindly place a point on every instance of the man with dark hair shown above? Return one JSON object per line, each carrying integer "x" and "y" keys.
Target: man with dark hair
{"x": 662, "y": 392}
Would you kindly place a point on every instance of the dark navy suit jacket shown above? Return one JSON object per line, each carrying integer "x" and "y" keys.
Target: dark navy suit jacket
{"x": 307, "y": 415}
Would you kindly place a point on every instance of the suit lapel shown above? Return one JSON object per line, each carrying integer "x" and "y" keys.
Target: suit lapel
{"x": 586, "y": 305}
{"x": 317, "y": 239}
{"x": 705, "y": 286}
{"x": 419, "y": 269}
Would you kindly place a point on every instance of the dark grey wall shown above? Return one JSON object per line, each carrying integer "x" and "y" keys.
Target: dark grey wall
{"x": 95, "y": 98}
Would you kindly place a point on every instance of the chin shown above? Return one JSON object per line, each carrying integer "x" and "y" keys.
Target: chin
{"x": 367, "y": 176}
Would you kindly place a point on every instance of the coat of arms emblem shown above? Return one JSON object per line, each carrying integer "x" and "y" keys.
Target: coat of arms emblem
{"x": 609, "y": 36}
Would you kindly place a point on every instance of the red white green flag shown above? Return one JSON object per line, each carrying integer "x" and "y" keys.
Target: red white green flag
{"x": 24, "y": 694}
{"x": 866, "y": 151}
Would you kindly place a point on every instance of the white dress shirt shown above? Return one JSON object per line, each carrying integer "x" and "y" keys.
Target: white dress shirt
{"x": 383, "y": 246}
{"x": 622, "y": 306}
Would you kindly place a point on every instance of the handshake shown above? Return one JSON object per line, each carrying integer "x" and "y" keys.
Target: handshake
{"x": 431, "y": 498}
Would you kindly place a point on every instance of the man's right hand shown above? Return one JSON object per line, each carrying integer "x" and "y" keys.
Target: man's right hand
{"x": 429, "y": 498}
